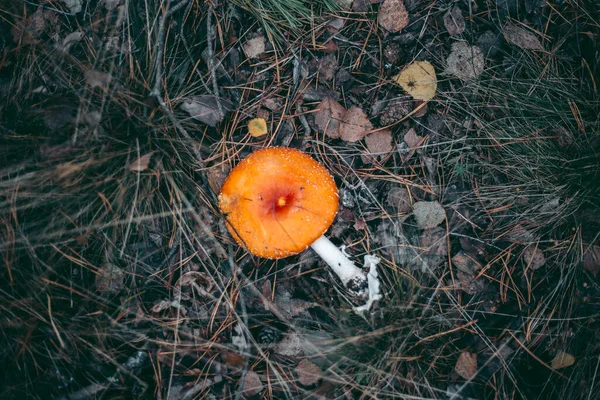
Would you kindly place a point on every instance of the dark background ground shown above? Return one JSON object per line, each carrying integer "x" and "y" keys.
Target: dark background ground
{"x": 119, "y": 121}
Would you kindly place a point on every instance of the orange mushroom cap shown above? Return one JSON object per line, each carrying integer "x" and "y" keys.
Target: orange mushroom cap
{"x": 278, "y": 201}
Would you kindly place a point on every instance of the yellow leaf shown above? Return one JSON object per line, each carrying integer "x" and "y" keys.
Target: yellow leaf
{"x": 257, "y": 127}
{"x": 418, "y": 79}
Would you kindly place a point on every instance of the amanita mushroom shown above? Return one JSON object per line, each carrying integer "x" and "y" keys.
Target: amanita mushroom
{"x": 278, "y": 201}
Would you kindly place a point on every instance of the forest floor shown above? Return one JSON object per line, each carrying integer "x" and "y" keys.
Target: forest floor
{"x": 464, "y": 137}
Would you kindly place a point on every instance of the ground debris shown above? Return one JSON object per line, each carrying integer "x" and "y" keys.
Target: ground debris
{"x": 255, "y": 47}
{"x": 454, "y": 21}
{"x": 534, "y": 257}
{"x": 205, "y": 108}
{"x": 465, "y": 62}
{"x": 522, "y": 38}
{"x": 141, "y": 163}
{"x": 329, "y": 116}
{"x": 308, "y": 373}
{"x": 379, "y": 143}
{"x": 110, "y": 279}
{"x": 252, "y": 385}
{"x": 428, "y": 214}
{"x": 393, "y": 16}
{"x": 562, "y": 360}
{"x": 591, "y": 260}
{"x": 466, "y": 365}
{"x": 355, "y": 125}
{"x": 419, "y": 80}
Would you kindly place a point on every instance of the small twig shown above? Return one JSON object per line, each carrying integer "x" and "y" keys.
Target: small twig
{"x": 160, "y": 43}
{"x": 211, "y": 57}
{"x": 176, "y": 7}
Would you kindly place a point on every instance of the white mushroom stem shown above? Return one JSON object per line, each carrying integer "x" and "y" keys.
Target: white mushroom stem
{"x": 339, "y": 263}
{"x": 362, "y": 283}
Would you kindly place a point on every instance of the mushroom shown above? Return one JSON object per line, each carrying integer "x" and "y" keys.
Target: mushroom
{"x": 278, "y": 201}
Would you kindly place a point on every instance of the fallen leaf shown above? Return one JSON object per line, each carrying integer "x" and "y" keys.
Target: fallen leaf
{"x": 522, "y": 38}
{"x": 533, "y": 257}
{"x": 434, "y": 242}
{"x": 336, "y": 25}
{"x": 467, "y": 273}
{"x": 69, "y": 40}
{"x": 518, "y": 234}
{"x": 327, "y": 67}
{"x": 465, "y": 263}
{"x": 466, "y": 365}
{"x": 379, "y": 143}
{"x": 399, "y": 198}
{"x": 591, "y": 260}
{"x": 412, "y": 139}
{"x": 253, "y": 48}
{"x": 309, "y": 374}
{"x": 74, "y": 6}
{"x": 393, "y": 16}
{"x": 110, "y": 279}
{"x": 141, "y": 164}
{"x": 562, "y": 360}
{"x": 355, "y": 126}
{"x": 428, "y": 214}
{"x": 95, "y": 78}
{"x": 454, "y": 21}
{"x": 252, "y": 384}
{"x": 257, "y": 127}
{"x": 329, "y": 116}
{"x": 465, "y": 62}
{"x": 205, "y": 108}
{"x": 418, "y": 80}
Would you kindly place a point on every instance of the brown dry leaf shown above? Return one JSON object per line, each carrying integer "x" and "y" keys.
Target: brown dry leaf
{"x": 253, "y": 48}
{"x": 355, "y": 126}
{"x": 328, "y": 66}
{"x": 95, "y": 78}
{"x": 252, "y": 385}
{"x": 534, "y": 257}
{"x": 379, "y": 143}
{"x": 257, "y": 127}
{"x": 141, "y": 164}
{"x": 562, "y": 360}
{"x": 308, "y": 373}
{"x": 412, "y": 139}
{"x": 418, "y": 80}
{"x": 454, "y": 21}
{"x": 466, "y": 365}
{"x": 329, "y": 116}
{"x": 522, "y": 38}
{"x": 393, "y": 16}
{"x": 591, "y": 260}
